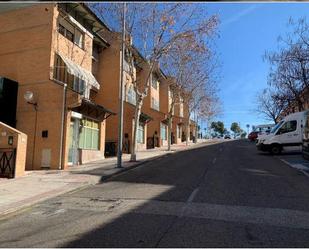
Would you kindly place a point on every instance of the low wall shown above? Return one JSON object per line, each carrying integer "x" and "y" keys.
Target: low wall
{"x": 90, "y": 155}
{"x": 10, "y": 140}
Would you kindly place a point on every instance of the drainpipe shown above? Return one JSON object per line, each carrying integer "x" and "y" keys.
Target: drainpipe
{"x": 62, "y": 126}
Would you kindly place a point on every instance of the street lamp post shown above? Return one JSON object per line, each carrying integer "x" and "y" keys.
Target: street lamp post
{"x": 120, "y": 117}
{"x": 28, "y": 96}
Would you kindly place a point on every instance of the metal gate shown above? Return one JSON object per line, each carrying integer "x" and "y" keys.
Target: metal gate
{"x": 7, "y": 163}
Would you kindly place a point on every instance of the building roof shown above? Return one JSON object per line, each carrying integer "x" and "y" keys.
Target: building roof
{"x": 91, "y": 18}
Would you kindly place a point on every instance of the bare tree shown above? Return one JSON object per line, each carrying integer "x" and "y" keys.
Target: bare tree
{"x": 157, "y": 28}
{"x": 268, "y": 105}
{"x": 289, "y": 72}
{"x": 190, "y": 74}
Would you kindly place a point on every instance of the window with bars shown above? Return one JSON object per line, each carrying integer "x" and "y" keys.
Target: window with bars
{"x": 89, "y": 136}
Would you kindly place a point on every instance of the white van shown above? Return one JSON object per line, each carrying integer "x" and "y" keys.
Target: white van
{"x": 288, "y": 132}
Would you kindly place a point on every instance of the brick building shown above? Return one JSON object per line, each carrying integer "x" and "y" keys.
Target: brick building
{"x": 59, "y": 81}
{"x": 48, "y": 56}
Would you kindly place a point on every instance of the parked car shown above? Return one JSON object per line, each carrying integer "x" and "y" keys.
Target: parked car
{"x": 288, "y": 132}
{"x": 227, "y": 137}
{"x": 253, "y": 135}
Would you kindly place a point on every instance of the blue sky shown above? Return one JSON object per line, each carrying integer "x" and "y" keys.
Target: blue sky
{"x": 247, "y": 30}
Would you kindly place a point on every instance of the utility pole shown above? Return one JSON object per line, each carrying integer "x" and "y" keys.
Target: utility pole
{"x": 120, "y": 115}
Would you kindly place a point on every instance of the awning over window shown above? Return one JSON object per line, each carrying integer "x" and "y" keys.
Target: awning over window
{"x": 144, "y": 118}
{"x": 80, "y": 72}
{"x": 165, "y": 121}
{"x": 93, "y": 110}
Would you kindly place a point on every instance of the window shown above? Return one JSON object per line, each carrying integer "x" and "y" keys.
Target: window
{"x": 70, "y": 31}
{"x": 155, "y": 104}
{"x": 129, "y": 63}
{"x": 131, "y": 96}
{"x": 79, "y": 85}
{"x": 90, "y": 134}
{"x": 66, "y": 33}
{"x": 179, "y": 131}
{"x": 140, "y": 133}
{"x": 181, "y": 109}
{"x": 61, "y": 74}
{"x": 163, "y": 132}
{"x": 78, "y": 38}
{"x": 154, "y": 82}
{"x": 170, "y": 93}
{"x": 289, "y": 126}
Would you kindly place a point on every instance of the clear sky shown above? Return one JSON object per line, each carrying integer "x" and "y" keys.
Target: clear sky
{"x": 247, "y": 30}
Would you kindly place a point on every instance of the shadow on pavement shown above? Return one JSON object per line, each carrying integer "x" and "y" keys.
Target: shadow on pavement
{"x": 166, "y": 179}
{"x": 145, "y": 206}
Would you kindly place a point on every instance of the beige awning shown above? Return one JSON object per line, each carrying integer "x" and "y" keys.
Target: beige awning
{"x": 78, "y": 71}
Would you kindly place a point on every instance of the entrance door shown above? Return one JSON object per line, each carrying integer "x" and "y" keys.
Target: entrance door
{"x": 8, "y": 98}
{"x": 73, "y": 157}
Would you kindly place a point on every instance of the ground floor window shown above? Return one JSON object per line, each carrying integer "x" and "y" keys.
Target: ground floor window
{"x": 179, "y": 131}
{"x": 163, "y": 132}
{"x": 141, "y": 133}
{"x": 89, "y": 134}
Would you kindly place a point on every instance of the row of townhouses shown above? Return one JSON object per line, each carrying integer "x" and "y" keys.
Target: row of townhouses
{"x": 59, "y": 84}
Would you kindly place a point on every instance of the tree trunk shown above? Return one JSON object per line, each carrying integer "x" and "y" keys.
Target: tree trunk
{"x": 196, "y": 131}
{"x": 137, "y": 114}
{"x": 187, "y": 132}
{"x": 169, "y": 132}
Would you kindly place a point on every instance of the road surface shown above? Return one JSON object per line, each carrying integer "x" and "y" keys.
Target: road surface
{"x": 222, "y": 195}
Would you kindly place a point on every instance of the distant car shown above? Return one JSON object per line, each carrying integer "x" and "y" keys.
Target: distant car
{"x": 253, "y": 135}
{"x": 227, "y": 137}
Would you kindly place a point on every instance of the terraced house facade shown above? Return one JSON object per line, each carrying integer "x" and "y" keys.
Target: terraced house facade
{"x": 48, "y": 60}
{"x": 59, "y": 81}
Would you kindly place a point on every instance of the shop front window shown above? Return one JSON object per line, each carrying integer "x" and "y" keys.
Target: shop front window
{"x": 89, "y": 134}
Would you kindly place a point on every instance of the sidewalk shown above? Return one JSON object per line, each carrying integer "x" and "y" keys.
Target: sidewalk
{"x": 40, "y": 185}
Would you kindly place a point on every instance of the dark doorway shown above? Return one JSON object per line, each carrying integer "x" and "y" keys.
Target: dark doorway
{"x": 8, "y": 101}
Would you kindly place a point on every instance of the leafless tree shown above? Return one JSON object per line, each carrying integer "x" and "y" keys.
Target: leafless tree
{"x": 269, "y": 105}
{"x": 156, "y": 28}
{"x": 289, "y": 72}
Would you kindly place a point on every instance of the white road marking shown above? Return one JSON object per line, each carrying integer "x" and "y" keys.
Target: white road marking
{"x": 305, "y": 173}
{"x": 189, "y": 200}
{"x": 193, "y": 194}
{"x": 214, "y": 160}
{"x": 242, "y": 214}
{"x": 231, "y": 213}
{"x": 297, "y": 166}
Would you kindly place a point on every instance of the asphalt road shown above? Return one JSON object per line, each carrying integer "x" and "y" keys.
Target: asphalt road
{"x": 222, "y": 195}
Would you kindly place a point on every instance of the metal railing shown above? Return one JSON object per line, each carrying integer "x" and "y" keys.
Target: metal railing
{"x": 7, "y": 162}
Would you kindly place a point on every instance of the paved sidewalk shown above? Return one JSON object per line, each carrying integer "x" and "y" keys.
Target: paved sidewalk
{"x": 40, "y": 185}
